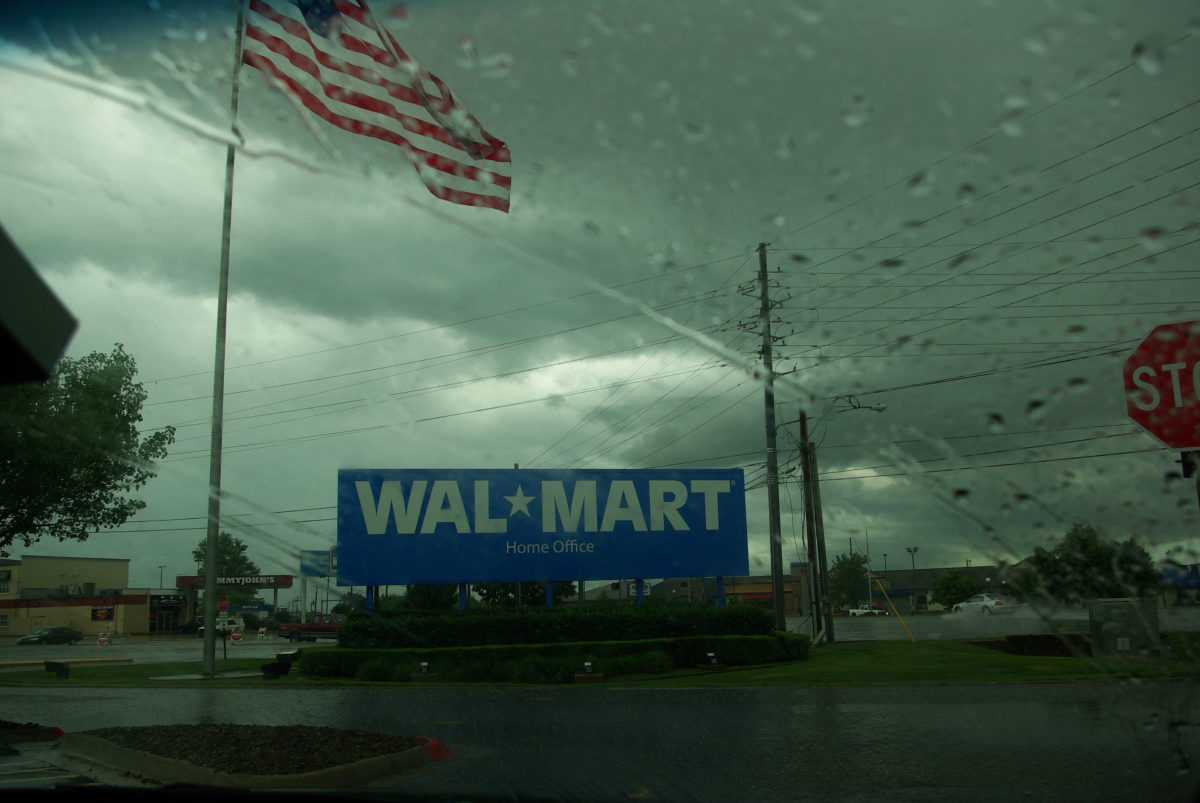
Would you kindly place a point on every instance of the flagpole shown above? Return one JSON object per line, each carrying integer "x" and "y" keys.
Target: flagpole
{"x": 209, "y": 666}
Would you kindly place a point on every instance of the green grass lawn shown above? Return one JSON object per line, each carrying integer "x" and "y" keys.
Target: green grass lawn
{"x": 887, "y": 662}
{"x": 851, "y": 663}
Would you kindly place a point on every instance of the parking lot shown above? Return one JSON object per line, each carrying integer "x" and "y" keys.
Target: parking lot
{"x": 143, "y": 649}
{"x": 927, "y": 626}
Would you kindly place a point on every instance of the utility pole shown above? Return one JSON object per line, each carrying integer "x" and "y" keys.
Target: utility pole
{"x": 813, "y": 492}
{"x": 816, "y": 587}
{"x": 764, "y": 314}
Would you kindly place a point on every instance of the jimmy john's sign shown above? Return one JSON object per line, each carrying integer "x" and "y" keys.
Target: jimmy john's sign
{"x": 239, "y": 581}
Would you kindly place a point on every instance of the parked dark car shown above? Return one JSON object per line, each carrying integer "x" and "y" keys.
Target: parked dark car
{"x": 52, "y": 635}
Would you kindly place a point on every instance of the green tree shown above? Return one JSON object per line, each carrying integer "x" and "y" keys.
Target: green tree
{"x": 71, "y": 455}
{"x": 1085, "y": 565}
{"x": 232, "y": 561}
{"x": 533, "y": 595}
{"x": 952, "y": 587}
{"x": 442, "y": 597}
{"x": 351, "y": 601}
{"x": 847, "y": 578}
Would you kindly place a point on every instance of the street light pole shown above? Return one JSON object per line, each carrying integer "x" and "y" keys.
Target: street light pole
{"x": 912, "y": 580}
{"x": 160, "y": 575}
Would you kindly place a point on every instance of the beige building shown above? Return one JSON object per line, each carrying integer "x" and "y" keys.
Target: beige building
{"x": 88, "y": 594}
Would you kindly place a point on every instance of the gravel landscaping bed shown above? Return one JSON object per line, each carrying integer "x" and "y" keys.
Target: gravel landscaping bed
{"x": 258, "y": 749}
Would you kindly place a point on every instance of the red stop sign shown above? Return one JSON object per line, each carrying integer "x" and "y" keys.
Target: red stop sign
{"x": 222, "y": 603}
{"x": 1162, "y": 384}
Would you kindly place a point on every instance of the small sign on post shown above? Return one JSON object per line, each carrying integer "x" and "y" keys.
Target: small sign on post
{"x": 222, "y": 603}
{"x": 102, "y": 639}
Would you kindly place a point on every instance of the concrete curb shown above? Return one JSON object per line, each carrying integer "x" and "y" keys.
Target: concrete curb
{"x": 23, "y": 735}
{"x": 159, "y": 769}
{"x": 11, "y": 664}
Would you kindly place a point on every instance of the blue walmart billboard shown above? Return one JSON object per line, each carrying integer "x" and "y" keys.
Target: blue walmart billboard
{"x": 403, "y": 526}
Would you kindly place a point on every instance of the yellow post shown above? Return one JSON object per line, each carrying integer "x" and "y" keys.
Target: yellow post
{"x": 895, "y": 612}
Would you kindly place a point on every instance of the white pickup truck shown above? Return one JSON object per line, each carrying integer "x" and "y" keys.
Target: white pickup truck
{"x": 864, "y": 611}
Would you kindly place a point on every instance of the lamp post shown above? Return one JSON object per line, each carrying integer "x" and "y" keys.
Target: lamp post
{"x": 912, "y": 581}
{"x": 160, "y": 575}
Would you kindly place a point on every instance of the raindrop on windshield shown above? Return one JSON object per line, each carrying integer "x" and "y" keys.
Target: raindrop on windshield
{"x": 857, "y": 113}
{"x": 1150, "y": 55}
{"x": 920, "y": 184}
{"x": 1153, "y": 238}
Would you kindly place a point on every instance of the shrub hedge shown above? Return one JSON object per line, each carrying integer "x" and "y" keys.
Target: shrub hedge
{"x": 550, "y": 625}
{"x": 553, "y": 662}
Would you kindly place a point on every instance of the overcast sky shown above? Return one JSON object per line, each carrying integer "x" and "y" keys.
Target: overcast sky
{"x": 974, "y": 212}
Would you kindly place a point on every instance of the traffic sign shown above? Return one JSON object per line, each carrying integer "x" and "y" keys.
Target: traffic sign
{"x": 102, "y": 639}
{"x": 236, "y": 635}
{"x": 1162, "y": 384}
{"x": 222, "y": 603}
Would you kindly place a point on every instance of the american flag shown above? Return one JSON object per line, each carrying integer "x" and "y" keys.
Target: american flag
{"x": 343, "y": 66}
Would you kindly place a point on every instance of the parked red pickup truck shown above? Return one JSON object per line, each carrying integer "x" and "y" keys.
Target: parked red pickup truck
{"x": 319, "y": 625}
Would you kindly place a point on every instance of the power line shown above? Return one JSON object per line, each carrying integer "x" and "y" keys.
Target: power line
{"x": 463, "y": 322}
{"x": 425, "y": 419}
{"x": 604, "y": 404}
{"x": 429, "y": 389}
{"x": 736, "y": 402}
{"x": 1037, "y": 223}
{"x": 943, "y": 324}
{"x": 920, "y": 172}
{"x": 442, "y": 358}
{"x": 999, "y": 465}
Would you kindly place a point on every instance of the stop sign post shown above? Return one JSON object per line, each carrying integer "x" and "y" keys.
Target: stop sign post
{"x": 1162, "y": 388}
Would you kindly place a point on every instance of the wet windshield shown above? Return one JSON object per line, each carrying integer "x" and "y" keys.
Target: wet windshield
{"x": 667, "y": 400}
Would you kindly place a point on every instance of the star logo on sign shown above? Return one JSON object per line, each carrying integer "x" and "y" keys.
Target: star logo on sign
{"x": 520, "y": 502}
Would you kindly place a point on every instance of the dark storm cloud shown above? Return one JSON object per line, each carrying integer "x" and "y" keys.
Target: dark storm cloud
{"x": 894, "y": 156}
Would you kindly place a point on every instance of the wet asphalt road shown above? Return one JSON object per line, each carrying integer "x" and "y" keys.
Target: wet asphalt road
{"x": 1078, "y": 741}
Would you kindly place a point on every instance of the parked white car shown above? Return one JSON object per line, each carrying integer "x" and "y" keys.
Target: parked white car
{"x": 227, "y": 623}
{"x": 865, "y": 611}
{"x": 989, "y": 604}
